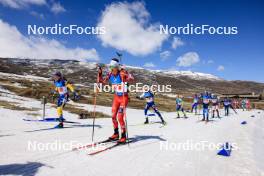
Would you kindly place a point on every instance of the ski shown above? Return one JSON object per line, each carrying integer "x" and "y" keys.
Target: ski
{"x": 105, "y": 149}
{"x": 108, "y": 148}
{"x": 145, "y": 124}
{"x": 163, "y": 125}
{"x": 50, "y": 120}
{"x": 93, "y": 144}
{"x": 47, "y": 129}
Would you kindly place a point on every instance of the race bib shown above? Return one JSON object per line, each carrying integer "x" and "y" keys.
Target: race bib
{"x": 205, "y": 101}
{"x": 62, "y": 90}
{"x": 119, "y": 88}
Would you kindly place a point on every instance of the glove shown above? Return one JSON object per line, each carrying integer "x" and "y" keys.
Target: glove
{"x": 100, "y": 71}
{"x": 53, "y": 95}
{"x": 138, "y": 97}
{"x": 76, "y": 97}
{"x": 123, "y": 74}
{"x": 100, "y": 68}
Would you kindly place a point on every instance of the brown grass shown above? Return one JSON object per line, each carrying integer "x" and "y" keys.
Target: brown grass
{"x": 33, "y": 114}
{"x": 40, "y": 89}
{"x": 258, "y": 105}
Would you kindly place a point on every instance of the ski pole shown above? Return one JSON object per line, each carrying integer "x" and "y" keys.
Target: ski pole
{"x": 233, "y": 109}
{"x": 120, "y": 58}
{"x": 124, "y": 111}
{"x": 44, "y": 101}
{"x": 94, "y": 110}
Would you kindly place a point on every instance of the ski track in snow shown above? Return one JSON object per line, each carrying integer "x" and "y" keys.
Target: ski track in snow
{"x": 142, "y": 158}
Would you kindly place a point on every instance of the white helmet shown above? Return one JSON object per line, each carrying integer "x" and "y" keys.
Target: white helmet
{"x": 114, "y": 63}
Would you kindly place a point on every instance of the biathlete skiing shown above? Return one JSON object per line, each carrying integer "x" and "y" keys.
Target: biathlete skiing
{"x": 149, "y": 97}
{"x": 195, "y": 104}
{"x": 118, "y": 78}
{"x": 206, "y": 102}
{"x": 61, "y": 87}
{"x": 179, "y": 106}
{"x": 243, "y": 104}
{"x": 248, "y": 105}
{"x": 215, "y": 106}
{"x": 227, "y": 105}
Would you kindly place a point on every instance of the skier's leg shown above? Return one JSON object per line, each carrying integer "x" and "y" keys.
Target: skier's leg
{"x": 59, "y": 111}
{"x": 146, "y": 113}
{"x": 193, "y": 106}
{"x": 184, "y": 114}
{"x": 207, "y": 114}
{"x": 60, "y": 105}
{"x": 204, "y": 111}
{"x": 178, "y": 108}
{"x": 196, "y": 106}
{"x": 115, "y": 107}
{"x": 121, "y": 110}
{"x": 157, "y": 112}
{"x": 121, "y": 120}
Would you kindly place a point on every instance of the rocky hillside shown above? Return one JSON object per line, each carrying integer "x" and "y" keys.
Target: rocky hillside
{"x": 85, "y": 74}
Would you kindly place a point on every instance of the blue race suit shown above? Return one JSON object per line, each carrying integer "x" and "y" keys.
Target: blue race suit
{"x": 149, "y": 97}
{"x": 206, "y": 103}
{"x": 179, "y": 107}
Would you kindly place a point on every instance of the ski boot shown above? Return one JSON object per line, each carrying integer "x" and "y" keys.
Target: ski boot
{"x": 147, "y": 121}
{"x": 61, "y": 119}
{"x": 60, "y": 125}
{"x": 164, "y": 122}
{"x": 123, "y": 138}
{"x": 218, "y": 115}
{"x": 115, "y": 136}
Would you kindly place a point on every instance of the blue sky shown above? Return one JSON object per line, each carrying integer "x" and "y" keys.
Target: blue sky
{"x": 133, "y": 32}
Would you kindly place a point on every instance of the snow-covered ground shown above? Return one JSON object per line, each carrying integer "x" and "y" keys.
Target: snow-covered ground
{"x": 153, "y": 153}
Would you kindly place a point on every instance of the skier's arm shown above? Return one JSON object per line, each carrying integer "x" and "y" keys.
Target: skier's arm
{"x": 142, "y": 95}
{"x": 126, "y": 77}
{"x": 56, "y": 89}
{"x": 70, "y": 86}
{"x": 100, "y": 78}
{"x": 54, "y": 92}
{"x": 75, "y": 94}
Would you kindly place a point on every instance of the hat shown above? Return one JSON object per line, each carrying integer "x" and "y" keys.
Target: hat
{"x": 114, "y": 63}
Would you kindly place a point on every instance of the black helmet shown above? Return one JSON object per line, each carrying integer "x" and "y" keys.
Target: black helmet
{"x": 58, "y": 74}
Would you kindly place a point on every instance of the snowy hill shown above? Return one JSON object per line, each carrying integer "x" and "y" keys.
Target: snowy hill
{"x": 190, "y": 74}
{"x": 85, "y": 74}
